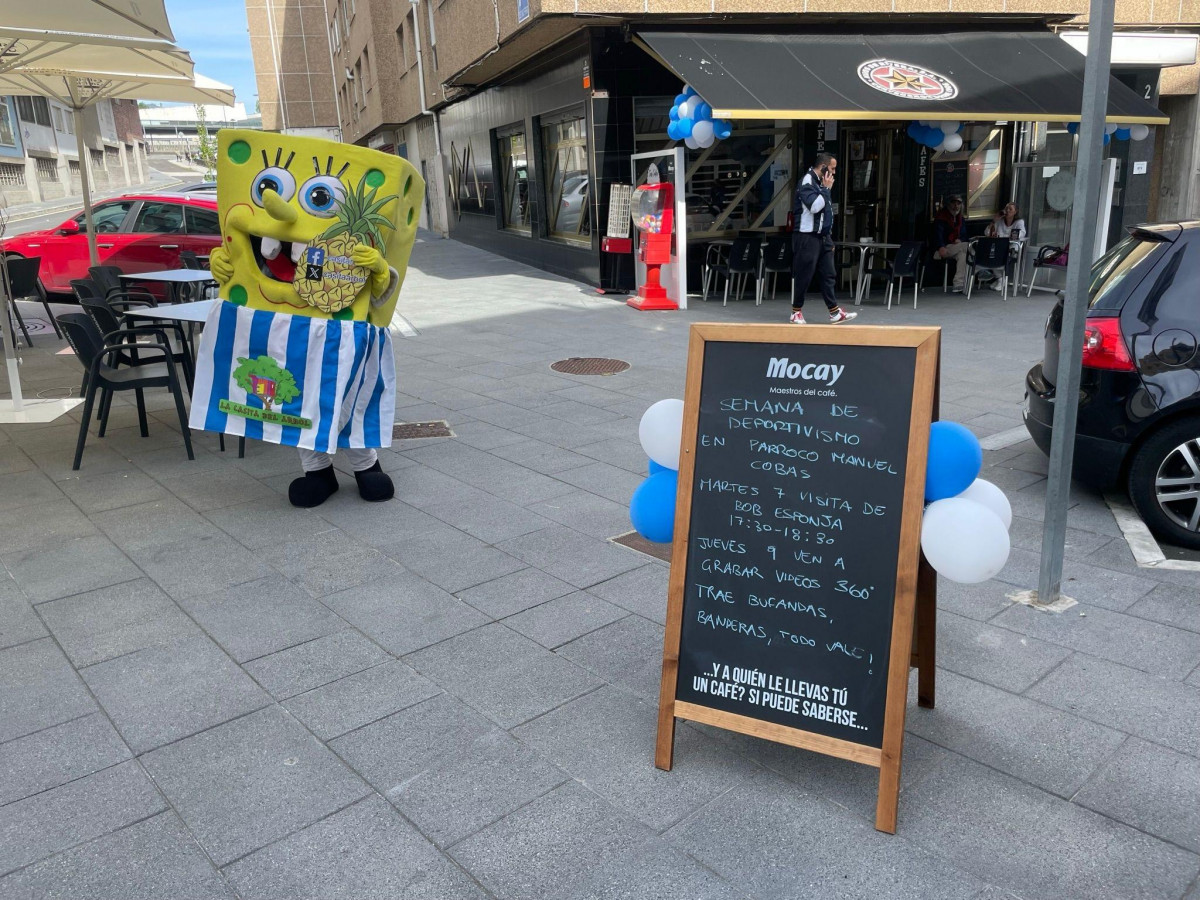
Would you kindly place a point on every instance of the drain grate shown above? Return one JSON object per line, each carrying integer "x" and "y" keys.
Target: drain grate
{"x": 635, "y": 541}
{"x": 407, "y": 431}
{"x": 590, "y": 365}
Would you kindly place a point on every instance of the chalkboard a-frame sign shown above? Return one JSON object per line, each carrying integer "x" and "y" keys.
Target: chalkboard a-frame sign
{"x": 796, "y": 564}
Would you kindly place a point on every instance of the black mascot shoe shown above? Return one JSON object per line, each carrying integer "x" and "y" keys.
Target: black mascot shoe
{"x": 313, "y": 488}
{"x": 374, "y": 484}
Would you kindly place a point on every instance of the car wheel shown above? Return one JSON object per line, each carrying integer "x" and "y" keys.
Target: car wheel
{"x": 1164, "y": 483}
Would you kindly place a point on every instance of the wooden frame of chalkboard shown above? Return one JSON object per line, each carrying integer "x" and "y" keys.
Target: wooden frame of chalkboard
{"x": 770, "y": 410}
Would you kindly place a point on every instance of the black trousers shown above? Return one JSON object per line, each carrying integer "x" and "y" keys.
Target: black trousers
{"x": 812, "y": 254}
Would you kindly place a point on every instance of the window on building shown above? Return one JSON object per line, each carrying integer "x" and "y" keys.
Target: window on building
{"x": 514, "y": 177}
{"x": 360, "y": 90}
{"x": 47, "y": 170}
{"x": 34, "y": 110}
{"x": 97, "y": 160}
{"x": 12, "y": 175}
{"x": 366, "y": 67}
{"x": 335, "y": 35}
{"x": 564, "y": 160}
{"x": 8, "y": 130}
{"x": 345, "y": 19}
{"x": 402, "y": 43}
{"x": 432, "y": 34}
{"x": 984, "y": 170}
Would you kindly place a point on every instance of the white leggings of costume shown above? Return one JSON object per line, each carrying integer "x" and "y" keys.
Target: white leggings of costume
{"x": 360, "y": 459}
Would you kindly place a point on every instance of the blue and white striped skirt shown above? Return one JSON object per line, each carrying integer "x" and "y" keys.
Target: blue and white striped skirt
{"x": 301, "y": 381}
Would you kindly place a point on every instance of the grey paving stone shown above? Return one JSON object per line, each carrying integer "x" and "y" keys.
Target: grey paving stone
{"x": 115, "y": 620}
{"x": 452, "y": 560}
{"x": 1149, "y": 646}
{"x": 22, "y": 489}
{"x": 18, "y": 622}
{"x": 204, "y": 491}
{"x": 801, "y": 848}
{"x": 642, "y": 590}
{"x": 261, "y": 526}
{"x": 983, "y": 820}
{"x": 610, "y": 482}
{"x": 250, "y": 782}
{"x": 1149, "y": 706}
{"x": 605, "y": 740}
{"x": 38, "y": 689}
{"x": 54, "y": 820}
{"x": 626, "y": 654}
{"x": 360, "y": 699}
{"x": 1000, "y": 657}
{"x": 200, "y": 565}
{"x": 1051, "y": 749}
{"x": 148, "y": 860}
{"x": 365, "y": 852}
{"x": 13, "y": 459}
{"x": 556, "y": 622}
{"x": 1171, "y": 605}
{"x": 487, "y": 518}
{"x": 149, "y": 525}
{"x": 262, "y": 617}
{"x": 485, "y": 436}
{"x": 70, "y": 568}
{"x": 1151, "y": 788}
{"x": 332, "y": 561}
{"x": 507, "y": 677}
{"x": 404, "y": 613}
{"x": 312, "y": 664}
{"x": 421, "y": 486}
{"x": 974, "y": 601}
{"x": 163, "y": 693}
{"x": 378, "y": 524}
{"x": 586, "y": 512}
{"x": 539, "y": 456}
{"x": 391, "y": 752}
{"x": 1027, "y": 534}
{"x": 111, "y": 490}
{"x": 573, "y": 557}
{"x": 568, "y": 843}
{"x": 515, "y": 592}
{"x": 56, "y": 755}
{"x": 45, "y": 525}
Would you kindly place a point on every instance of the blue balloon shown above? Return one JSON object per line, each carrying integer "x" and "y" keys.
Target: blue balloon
{"x": 955, "y": 459}
{"x": 1107, "y": 139}
{"x": 722, "y": 129}
{"x": 1073, "y": 127}
{"x": 674, "y": 114}
{"x": 680, "y": 98}
{"x": 689, "y": 91}
{"x": 703, "y": 111}
{"x": 684, "y": 129}
{"x": 911, "y": 131}
{"x": 673, "y": 131}
{"x": 652, "y": 509}
{"x": 1122, "y": 134}
{"x": 655, "y": 468}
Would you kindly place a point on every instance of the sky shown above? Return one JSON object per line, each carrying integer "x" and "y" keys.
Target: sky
{"x": 214, "y": 32}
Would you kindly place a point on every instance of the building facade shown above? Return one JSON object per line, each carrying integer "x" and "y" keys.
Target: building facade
{"x": 290, "y": 44}
{"x": 522, "y": 116}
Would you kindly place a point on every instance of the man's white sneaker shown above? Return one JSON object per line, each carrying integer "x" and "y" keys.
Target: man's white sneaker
{"x": 840, "y": 315}
{"x": 798, "y": 318}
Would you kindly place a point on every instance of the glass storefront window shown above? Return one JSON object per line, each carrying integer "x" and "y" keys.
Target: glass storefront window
{"x": 983, "y": 172}
{"x": 564, "y": 149}
{"x": 514, "y": 179}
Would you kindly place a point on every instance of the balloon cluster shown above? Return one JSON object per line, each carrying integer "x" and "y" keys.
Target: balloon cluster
{"x": 937, "y": 135}
{"x": 1120, "y": 132}
{"x": 964, "y": 533}
{"x": 692, "y": 121}
{"x": 652, "y": 509}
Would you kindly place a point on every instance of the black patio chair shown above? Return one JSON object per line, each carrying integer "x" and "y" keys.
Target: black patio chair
{"x": 1047, "y": 258}
{"x": 189, "y": 259}
{"x": 25, "y": 285}
{"x": 776, "y": 258}
{"x": 990, "y": 255}
{"x": 742, "y": 264}
{"x": 93, "y": 349}
{"x": 907, "y": 263}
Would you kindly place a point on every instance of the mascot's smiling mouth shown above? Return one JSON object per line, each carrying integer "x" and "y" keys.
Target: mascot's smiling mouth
{"x": 277, "y": 259}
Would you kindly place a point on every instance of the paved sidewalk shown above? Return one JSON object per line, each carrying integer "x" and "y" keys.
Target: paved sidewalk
{"x": 207, "y": 693}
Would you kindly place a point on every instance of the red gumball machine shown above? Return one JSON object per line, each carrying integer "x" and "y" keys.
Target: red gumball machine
{"x": 653, "y": 213}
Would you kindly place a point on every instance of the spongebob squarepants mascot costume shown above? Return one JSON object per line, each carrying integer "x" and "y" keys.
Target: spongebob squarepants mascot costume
{"x": 316, "y": 237}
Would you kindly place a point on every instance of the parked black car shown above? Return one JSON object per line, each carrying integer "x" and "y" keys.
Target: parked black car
{"x": 1139, "y": 400}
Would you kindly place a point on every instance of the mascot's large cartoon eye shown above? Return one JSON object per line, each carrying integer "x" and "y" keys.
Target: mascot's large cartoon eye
{"x": 274, "y": 179}
{"x": 321, "y": 194}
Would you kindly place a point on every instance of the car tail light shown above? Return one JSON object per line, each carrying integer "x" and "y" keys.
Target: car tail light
{"x": 1103, "y": 346}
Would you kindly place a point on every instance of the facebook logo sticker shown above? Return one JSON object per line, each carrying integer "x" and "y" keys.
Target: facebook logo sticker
{"x": 315, "y": 256}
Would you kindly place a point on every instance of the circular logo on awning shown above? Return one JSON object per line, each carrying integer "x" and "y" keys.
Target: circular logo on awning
{"x": 900, "y": 79}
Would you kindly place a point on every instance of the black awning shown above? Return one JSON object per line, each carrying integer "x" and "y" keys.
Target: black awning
{"x": 966, "y": 75}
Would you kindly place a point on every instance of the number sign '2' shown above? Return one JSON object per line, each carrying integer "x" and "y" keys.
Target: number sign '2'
{"x": 794, "y": 572}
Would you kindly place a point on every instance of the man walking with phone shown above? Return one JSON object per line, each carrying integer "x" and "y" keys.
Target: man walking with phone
{"x": 812, "y": 241}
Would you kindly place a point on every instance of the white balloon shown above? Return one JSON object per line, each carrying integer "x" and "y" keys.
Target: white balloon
{"x": 702, "y": 132}
{"x": 661, "y": 431}
{"x": 685, "y": 109}
{"x": 952, "y": 142}
{"x": 963, "y": 540}
{"x": 987, "y": 494}
{"x": 1139, "y": 132}
{"x": 691, "y": 143}
{"x": 949, "y": 127}
{"x": 1110, "y": 128}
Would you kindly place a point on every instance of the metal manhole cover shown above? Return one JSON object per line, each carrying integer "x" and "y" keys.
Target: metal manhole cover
{"x": 590, "y": 365}
{"x": 635, "y": 541}
{"x": 407, "y": 431}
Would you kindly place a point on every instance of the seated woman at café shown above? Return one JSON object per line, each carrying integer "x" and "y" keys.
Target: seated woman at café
{"x": 1007, "y": 224}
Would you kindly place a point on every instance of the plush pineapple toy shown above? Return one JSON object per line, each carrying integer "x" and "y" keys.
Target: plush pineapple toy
{"x": 316, "y": 237}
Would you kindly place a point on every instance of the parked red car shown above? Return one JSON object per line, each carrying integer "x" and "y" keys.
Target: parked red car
{"x": 137, "y": 232}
